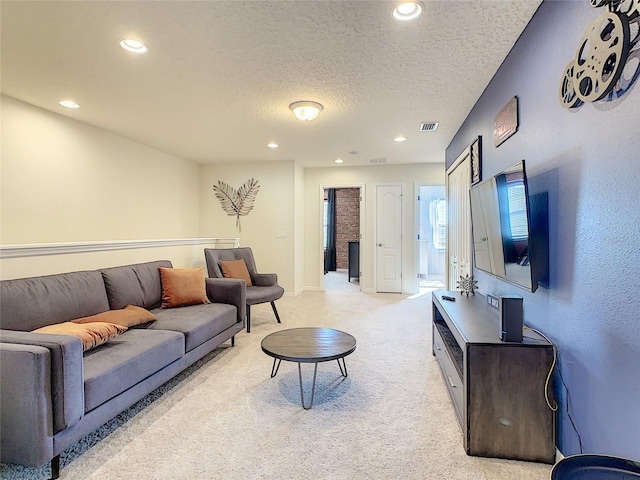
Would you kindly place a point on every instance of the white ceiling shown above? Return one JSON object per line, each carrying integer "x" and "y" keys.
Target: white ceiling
{"x": 220, "y": 75}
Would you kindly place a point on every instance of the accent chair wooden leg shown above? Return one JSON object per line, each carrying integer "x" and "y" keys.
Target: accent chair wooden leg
{"x": 273, "y": 305}
{"x": 233, "y": 341}
{"x": 248, "y": 318}
{"x": 55, "y": 467}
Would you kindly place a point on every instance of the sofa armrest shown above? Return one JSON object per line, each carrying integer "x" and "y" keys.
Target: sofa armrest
{"x": 26, "y": 414}
{"x": 66, "y": 373}
{"x": 230, "y": 291}
{"x": 264, "y": 279}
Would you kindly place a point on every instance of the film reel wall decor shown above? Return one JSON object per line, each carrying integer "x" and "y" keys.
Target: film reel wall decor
{"x": 607, "y": 62}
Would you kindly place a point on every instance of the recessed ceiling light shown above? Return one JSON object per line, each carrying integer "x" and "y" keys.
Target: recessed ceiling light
{"x": 134, "y": 46}
{"x": 407, "y": 11}
{"x": 338, "y": 161}
{"x": 400, "y": 138}
{"x": 272, "y": 145}
{"x": 68, "y": 104}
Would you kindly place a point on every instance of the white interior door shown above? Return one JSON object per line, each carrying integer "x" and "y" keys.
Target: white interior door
{"x": 458, "y": 220}
{"x": 389, "y": 238}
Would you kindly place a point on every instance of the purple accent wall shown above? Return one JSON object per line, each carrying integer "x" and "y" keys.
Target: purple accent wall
{"x": 589, "y": 163}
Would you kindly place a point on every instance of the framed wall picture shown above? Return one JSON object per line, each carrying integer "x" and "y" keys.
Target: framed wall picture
{"x": 505, "y": 122}
{"x": 476, "y": 160}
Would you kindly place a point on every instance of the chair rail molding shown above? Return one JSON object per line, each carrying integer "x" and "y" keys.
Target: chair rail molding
{"x": 44, "y": 249}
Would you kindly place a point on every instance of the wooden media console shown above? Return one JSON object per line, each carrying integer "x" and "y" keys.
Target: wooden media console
{"x": 499, "y": 390}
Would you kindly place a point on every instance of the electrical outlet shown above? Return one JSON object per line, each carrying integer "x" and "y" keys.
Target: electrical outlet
{"x": 493, "y": 301}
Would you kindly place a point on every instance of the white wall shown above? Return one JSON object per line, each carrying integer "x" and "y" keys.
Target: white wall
{"x": 181, "y": 256}
{"x": 407, "y": 175}
{"x": 65, "y": 181}
{"x": 269, "y": 229}
{"x": 299, "y": 229}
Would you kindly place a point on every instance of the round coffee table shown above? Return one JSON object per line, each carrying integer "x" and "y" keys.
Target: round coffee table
{"x": 308, "y": 345}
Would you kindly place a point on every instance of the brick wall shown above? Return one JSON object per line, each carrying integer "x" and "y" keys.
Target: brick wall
{"x": 347, "y": 223}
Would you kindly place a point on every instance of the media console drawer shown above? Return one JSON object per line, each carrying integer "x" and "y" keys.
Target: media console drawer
{"x": 497, "y": 388}
{"x": 450, "y": 374}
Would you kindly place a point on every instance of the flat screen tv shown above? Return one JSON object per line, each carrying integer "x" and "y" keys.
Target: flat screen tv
{"x": 501, "y": 227}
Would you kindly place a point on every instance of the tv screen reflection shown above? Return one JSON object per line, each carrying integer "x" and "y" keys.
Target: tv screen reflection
{"x": 499, "y": 215}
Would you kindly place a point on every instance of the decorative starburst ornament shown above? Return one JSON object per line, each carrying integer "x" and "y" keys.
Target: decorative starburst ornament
{"x": 467, "y": 285}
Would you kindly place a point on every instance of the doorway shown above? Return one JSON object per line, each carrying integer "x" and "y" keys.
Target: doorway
{"x": 342, "y": 224}
{"x": 432, "y": 237}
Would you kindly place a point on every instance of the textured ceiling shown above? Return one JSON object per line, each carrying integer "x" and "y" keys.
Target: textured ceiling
{"x": 220, "y": 75}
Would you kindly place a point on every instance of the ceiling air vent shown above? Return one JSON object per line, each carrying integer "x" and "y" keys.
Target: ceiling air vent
{"x": 428, "y": 127}
{"x": 378, "y": 160}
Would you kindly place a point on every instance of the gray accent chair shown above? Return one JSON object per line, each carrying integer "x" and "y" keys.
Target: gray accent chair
{"x": 265, "y": 286}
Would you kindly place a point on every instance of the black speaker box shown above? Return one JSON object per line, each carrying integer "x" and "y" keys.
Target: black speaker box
{"x": 511, "y": 313}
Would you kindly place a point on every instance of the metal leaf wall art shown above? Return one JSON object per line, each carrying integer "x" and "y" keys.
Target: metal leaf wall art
{"x": 237, "y": 202}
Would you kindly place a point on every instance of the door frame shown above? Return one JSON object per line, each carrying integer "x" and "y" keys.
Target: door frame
{"x": 416, "y": 228}
{"x": 363, "y": 197}
{"x": 464, "y": 155}
{"x": 374, "y": 230}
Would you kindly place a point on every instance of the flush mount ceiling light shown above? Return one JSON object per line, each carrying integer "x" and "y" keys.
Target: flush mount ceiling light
{"x": 338, "y": 161}
{"x": 407, "y": 11}
{"x": 400, "y": 138}
{"x": 272, "y": 145}
{"x": 68, "y": 104}
{"x": 135, "y": 46}
{"x": 306, "y": 110}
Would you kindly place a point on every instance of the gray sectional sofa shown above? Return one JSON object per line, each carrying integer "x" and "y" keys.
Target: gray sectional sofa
{"x": 52, "y": 393}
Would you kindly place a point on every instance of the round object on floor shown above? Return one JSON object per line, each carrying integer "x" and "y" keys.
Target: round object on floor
{"x": 595, "y": 467}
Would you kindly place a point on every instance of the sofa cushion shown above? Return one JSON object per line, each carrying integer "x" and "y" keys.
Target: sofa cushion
{"x": 91, "y": 334}
{"x": 130, "y": 316}
{"x": 137, "y": 284}
{"x": 182, "y": 286}
{"x": 127, "y": 360}
{"x": 198, "y": 323}
{"x": 31, "y": 303}
{"x": 257, "y": 295}
{"x": 214, "y": 255}
{"x": 235, "y": 269}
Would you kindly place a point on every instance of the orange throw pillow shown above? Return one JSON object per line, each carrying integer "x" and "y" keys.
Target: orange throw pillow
{"x": 235, "y": 269}
{"x": 91, "y": 334}
{"x": 130, "y": 316}
{"x": 182, "y": 286}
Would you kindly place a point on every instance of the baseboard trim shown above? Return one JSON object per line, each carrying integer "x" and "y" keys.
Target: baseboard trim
{"x": 45, "y": 249}
{"x": 312, "y": 289}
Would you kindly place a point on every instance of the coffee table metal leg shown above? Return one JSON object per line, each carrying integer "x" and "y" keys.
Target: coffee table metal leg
{"x": 313, "y": 388}
{"x": 343, "y": 372}
{"x": 274, "y": 368}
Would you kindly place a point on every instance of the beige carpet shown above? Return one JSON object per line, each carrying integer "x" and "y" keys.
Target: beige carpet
{"x": 390, "y": 418}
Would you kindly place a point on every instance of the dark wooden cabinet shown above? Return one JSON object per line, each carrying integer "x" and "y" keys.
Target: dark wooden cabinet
{"x": 497, "y": 388}
{"x": 354, "y": 260}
